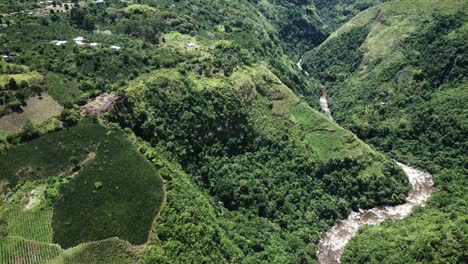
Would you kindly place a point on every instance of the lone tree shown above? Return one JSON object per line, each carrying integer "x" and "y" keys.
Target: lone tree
{"x": 12, "y": 85}
{"x": 28, "y": 131}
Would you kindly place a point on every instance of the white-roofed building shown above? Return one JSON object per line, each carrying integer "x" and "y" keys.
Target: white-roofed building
{"x": 58, "y": 42}
{"x": 190, "y": 45}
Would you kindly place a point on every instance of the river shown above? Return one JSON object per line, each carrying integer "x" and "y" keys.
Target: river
{"x": 333, "y": 242}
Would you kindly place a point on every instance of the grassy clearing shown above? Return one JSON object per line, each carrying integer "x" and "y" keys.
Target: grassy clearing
{"x": 18, "y": 250}
{"x": 30, "y": 77}
{"x": 326, "y": 138}
{"x": 37, "y": 110}
{"x": 116, "y": 194}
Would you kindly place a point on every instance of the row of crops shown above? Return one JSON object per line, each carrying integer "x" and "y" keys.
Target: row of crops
{"x": 19, "y": 250}
{"x": 30, "y": 224}
{"x": 95, "y": 195}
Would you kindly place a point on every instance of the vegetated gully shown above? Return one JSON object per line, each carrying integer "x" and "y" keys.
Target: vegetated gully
{"x": 333, "y": 242}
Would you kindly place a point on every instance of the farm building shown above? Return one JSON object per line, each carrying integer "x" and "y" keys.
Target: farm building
{"x": 190, "y": 45}
{"x": 58, "y": 42}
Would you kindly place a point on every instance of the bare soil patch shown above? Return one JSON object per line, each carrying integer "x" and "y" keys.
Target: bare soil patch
{"x": 38, "y": 109}
{"x": 99, "y": 104}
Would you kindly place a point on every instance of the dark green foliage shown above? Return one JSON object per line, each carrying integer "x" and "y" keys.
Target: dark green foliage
{"x": 336, "y": 12}
{"x": 117, "y": 193}
{"x": 412, "y": 107}
{"x": 189, "y": 229}
{"x": 193, "y": 121}
{"x": 28, "y": 131}
{"x": 431, "y": 236}
{"x": 274, "y": 181}
{"x": 337, "y": 58}
{"x": 69, "y": 117}
{"x": 442, "y": 60}
{"x": 81, "y": 18}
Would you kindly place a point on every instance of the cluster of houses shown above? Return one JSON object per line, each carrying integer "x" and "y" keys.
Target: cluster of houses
{"x": 81, "y": 41}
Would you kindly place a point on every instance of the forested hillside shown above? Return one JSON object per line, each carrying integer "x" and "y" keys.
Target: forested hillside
{"x": 166, "y": 131}
{"x": 400, "y": 84}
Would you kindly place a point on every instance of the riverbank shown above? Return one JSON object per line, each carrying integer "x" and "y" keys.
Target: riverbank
{"x": 333, "y": 242}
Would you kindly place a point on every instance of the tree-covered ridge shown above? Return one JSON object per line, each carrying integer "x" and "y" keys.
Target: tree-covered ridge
{"x": 405, "y": 93}
{"x": 264, "y": 157}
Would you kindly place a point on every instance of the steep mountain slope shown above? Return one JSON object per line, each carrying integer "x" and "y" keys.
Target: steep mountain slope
{"x": 396, "y": 76}
{"x": 303, "y": 25}
{"x": 278, "y": 168}
{"x": 252, "y": 174}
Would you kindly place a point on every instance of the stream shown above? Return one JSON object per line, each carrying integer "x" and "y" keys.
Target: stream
{"x": 333, "y": 242}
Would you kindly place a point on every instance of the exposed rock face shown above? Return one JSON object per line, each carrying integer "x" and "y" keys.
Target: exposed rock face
{"x": 99, "y": 104}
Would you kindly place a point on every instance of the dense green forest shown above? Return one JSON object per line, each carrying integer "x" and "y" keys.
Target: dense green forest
{"x": 406, "y": 94}
{"x": 214, "y": 151}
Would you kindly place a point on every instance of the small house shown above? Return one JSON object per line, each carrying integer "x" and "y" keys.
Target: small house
{"x": 94, "y": 44}
{"x": 115, "y": 47}
{"x": 190, "y": 45}
{"x": 79, "y": 39}
{"x": 58, "y": 42}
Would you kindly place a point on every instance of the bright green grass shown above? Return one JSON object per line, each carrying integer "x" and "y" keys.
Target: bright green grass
{"x": 124, "y": 206}
{"x": 18, "y": 250}
{"x": 50, "y": 154}
{"x": 111, "y": 250}
{"x": 30, "y": 77}
{"x": 327, "y": 139}
{"x": 3, "y": 135}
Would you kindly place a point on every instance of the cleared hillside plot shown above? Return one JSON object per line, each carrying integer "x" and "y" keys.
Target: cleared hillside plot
{"x": 116, "y": 194}
{"x": 51, "y": 154}
{"x": 325, "y": 137}
{"x": 37, "y": 110}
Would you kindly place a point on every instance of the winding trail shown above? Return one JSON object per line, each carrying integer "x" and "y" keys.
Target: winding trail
{"x": 333, "y": 242}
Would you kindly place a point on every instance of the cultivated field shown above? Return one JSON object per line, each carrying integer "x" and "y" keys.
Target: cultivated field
{"x": 102, "y": 188}
{"x": 116, "y": 194}
{"x": 50, "y": 154}
{"x": 16, "y": 250}
{"x": 37, "y": 110}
